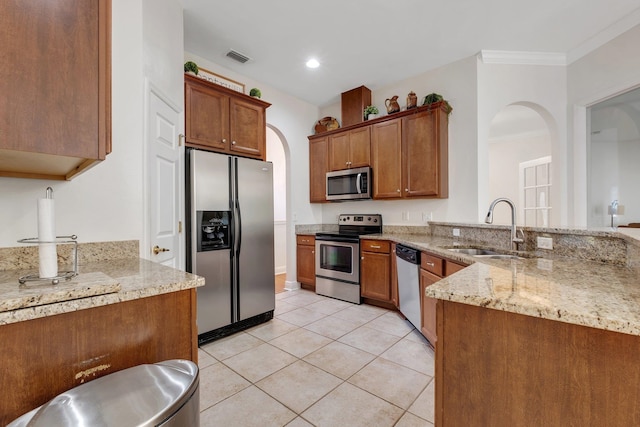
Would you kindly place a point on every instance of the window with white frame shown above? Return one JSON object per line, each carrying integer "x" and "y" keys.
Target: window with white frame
{"x": 535, "y": 192}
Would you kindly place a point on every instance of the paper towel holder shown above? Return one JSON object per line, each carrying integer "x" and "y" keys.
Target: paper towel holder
{"x": 66, "y": 275}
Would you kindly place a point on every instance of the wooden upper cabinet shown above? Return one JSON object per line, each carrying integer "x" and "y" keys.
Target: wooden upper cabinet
{"x": 55, "y": 86}
{"x": 350, "y": 149}
{"x": 207, "y": 117}
{"x": 223, "y": 120}
{"x": 424, "y": 154}
{"x": 248, "y": 129}
{"x": 386, "y": 155}
{"x": 318, "y": 168}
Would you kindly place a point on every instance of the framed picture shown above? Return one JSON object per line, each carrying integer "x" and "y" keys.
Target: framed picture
{"x": 220, "y": 80}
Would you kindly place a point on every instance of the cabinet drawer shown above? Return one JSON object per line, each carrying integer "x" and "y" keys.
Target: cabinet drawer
{"x": 451, "y": 267}
{"x": 432, "y": 263}
{"x": 381, "y": 246}
{"x": 305, "y": 239}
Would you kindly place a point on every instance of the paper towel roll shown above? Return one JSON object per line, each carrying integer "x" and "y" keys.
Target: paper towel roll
{"x": 47, "y": 253}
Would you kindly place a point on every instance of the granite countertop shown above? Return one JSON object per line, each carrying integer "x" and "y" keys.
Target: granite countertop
{"x": 102, "y": 280}
{"x": 588, "y": 293}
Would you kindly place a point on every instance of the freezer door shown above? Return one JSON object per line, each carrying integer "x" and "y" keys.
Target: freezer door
{"x": 214, "y": 298}
{"x": 256, "y": 273}
{"x": 210, "y": 181}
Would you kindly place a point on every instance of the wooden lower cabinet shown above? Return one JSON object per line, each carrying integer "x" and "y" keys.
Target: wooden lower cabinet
{"x": 432, "y": 269}
{"x": 428, "y": 307}
{"x": 375, "y": 270}
{"x": 44, "y": 357}
{"x": 495, "y": 368}
{"x": 306, "y": 261}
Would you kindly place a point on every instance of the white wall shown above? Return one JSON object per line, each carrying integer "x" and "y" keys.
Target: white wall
{"x": 104, "y": 203}
{"x": 540, "y": 87}
{"x": 276, "y": 155}
{"x": 607, "y": 71}
{"x": 457, "y": 83}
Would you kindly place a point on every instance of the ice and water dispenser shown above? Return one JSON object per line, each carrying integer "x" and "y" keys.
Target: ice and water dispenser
{"x": 213, "y": 230}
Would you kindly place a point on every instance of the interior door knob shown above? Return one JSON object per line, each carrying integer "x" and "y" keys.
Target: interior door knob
{"x": 157, "y": 249}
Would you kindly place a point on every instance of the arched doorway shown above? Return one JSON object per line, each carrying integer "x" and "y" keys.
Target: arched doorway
{"x": 520, "y": 165}
{"x": 278, "y": 154}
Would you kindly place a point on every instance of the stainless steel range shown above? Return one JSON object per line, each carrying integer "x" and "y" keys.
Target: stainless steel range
{"x": 338, "y": 256}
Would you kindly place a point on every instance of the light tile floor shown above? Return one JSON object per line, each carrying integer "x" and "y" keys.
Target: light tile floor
{"x": 319, "y": 362}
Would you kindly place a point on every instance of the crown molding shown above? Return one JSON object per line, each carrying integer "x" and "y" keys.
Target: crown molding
{"x": 522, "y": 58}
{"x": 604, "y": 36}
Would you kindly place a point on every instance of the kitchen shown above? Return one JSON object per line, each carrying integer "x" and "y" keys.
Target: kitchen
{"x": 147, "y": 38}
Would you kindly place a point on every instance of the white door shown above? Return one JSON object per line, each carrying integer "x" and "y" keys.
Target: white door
{"x": 164, "y": 181}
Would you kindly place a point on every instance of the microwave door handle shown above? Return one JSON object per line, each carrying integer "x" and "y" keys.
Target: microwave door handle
{"x": 358, "y": 181}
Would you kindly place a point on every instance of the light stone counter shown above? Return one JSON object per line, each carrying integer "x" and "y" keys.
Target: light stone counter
{"x": 109, "y": 273}
{"x": 581, "y": 292}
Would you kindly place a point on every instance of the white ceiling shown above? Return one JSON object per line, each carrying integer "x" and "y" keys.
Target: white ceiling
{"x": 380, "y": 42}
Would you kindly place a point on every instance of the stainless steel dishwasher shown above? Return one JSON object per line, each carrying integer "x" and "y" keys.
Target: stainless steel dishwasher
{"x": 408, "y": 266}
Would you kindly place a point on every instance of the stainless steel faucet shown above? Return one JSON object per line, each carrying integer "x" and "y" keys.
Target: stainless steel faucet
{"x": 489, "y": 220}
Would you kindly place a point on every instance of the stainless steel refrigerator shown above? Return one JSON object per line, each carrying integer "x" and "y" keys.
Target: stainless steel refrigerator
{"x": 230, "y": 241}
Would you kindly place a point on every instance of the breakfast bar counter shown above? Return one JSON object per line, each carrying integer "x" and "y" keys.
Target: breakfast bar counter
{"x": 119, "y": 311}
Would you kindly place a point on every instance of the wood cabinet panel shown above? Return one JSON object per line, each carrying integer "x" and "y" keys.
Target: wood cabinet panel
{"x": 55, "y": 81}
{"x": 386, "y": 155}
{"x": 339, "y": 152}
{"x": 248, "y": 129}
{"x": 306, "y": 261}
{"x": 394, "y": 277}
{"x": 350, "y": 149}
{"x": 222, "y": 120}
{"x": 360, "y": 147}
{"x": 207, "y": 117}
{"x": 318, "y": 168}
{"x": 375, "y": 280}
{"x": 432, "y": 263}
{"x": 50, "y": 355}
{"x": 451, "y": 267}
{"x": 515, "y": 370}
{"x": 428, "y": 307}
{"x": 381, "y": 246}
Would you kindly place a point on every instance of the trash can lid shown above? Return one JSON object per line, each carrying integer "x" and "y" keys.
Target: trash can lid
{"x": 144, "y": 395}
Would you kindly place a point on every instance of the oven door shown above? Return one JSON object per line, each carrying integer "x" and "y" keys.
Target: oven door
{"x": 339, "y": 260}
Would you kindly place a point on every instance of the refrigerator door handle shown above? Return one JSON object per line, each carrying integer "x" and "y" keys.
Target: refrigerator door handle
{"x": 239, "y": 228}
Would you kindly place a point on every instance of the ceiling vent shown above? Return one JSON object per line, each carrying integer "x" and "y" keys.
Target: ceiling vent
{"x": 238, "y": 56}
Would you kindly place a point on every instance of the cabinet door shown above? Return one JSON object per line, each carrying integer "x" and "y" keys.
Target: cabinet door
{"x": 318, "y": 168}
{"x": 306, "y": 264}
{"x": 339, "y": 152}
{"x": 55, "y": 86}
{"x": 386, "y": 158}
{"x": 207, "y": 117}
{"x": 374, "y": 276}
{"x": 428, "y": 309}
{"x": 360, "y": 147}
{"x": 247, "y": 129}
{"x": 423, "y": 155}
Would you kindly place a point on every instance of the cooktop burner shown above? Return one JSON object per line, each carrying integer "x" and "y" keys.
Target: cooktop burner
{"x": 356, "y": 225}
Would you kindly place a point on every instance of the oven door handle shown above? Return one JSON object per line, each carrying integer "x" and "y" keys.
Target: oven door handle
{"x": 342, "y": 239}
{"x": 359, "y": 183}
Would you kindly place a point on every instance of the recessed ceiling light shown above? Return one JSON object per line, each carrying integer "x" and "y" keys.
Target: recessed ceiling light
{"x": 313, "y": 63}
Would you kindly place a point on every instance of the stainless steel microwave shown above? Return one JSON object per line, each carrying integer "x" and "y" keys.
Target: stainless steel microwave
{"x": 349, "y": 184}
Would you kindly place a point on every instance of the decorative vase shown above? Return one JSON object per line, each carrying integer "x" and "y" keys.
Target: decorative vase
{"x": 412, "y": 100}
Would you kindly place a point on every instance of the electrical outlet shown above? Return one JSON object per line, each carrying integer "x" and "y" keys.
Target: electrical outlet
{"x": 456, "y": 232}
{"x": 405, "y": 216}
{"x": 544, "y": 242}
{"x": 427, "y": 216}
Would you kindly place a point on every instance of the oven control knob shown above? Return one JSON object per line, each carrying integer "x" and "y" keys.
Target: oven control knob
{"x": 375, "y": 220}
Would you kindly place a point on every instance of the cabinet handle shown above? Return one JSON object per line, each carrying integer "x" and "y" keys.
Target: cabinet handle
{"x": 362, "y": 257}
{"x": 233, "y": 143}
{"x": 375, "y": 246}
{"x": 398, "y": 190}
{"x": 406, "y": 190}
{"x": 224, "y": 141}
{"x": 430, "y": 264}
{"x": 313, "y": 252}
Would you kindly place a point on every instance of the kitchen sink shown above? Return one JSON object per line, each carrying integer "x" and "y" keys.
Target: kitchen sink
{"x": 484, "y": 253}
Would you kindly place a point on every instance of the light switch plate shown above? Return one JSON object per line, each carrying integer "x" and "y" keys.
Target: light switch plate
{"x": 456, "y": 232}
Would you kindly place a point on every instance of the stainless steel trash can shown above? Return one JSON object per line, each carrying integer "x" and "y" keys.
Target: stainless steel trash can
{"x": 164, "y": 394}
